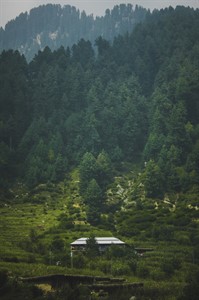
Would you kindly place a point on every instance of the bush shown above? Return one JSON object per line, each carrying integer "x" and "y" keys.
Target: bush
{"x": 79, "y": 261}
{"x": 115, "y": 251}
{"x": 163, "y": 233}
{"x": 31, "y": 258}
{"x": 157, "y": 275}
{"x": 182, "y": 238}
{"x": 191, "y": 289}
{"x": 132, "y": 264}
{"x": 105, "y": 266}
{"x": 120, "y": 268}
{"x": 65, "y": 222}
{"x": 142, "y": 271}
{"x": 195, "y": 239}
{"x": 168, "y": 268}
{"x": 57, "y": 244}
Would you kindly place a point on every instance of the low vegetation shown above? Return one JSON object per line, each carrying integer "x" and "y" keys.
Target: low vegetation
{"x": 36, "y": 237}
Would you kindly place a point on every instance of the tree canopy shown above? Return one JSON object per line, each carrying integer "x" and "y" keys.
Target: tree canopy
{"x": 135, "y": 101}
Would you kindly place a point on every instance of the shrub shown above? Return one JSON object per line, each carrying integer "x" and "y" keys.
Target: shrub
{"x": 182, "y": 238}
{"x": 142, "y": 271}
{"x": 120, "y": 268}
{"x": 132, "y": 262}
{"x": 105, "y": 266}
{"x": 115, "y": 251}
{"x": 191, "y": 289}
{"x": 168, "y": 268}
{"x": 57, "y": 244}
{"x": 157, "y": 275}
{"x": 65, "y": 222}
{"x": 79, "y": 261}
{"x": 195, "y": 239}
{"x": 163, "y": 232}
{"x": 31, "y": 258}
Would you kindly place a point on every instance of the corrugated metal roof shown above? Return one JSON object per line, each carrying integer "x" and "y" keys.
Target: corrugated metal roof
{"x": 100, "y": 241}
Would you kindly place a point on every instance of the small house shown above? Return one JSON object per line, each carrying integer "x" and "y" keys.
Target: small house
{"x": 103, "y": 243}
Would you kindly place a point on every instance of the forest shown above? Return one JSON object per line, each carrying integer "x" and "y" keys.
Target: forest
{"x": 137, "y": 101}
{"x": 56, "y": 25}
{"x": 102, "y": 138}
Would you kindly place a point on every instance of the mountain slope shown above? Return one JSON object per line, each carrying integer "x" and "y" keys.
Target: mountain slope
{"x": 137, "y": 101}
{"x": 105, "y": 145}
{"x": 55, "y": 26}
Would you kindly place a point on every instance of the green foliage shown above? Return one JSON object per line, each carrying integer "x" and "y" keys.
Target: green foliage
{"x": 191, "y": 289}
{"x": 87, "y": 171}
{"x": 142, "y": 271}
{"x": 168, "y": 268}
{"x": 93, "y": 199}
{"x": 129, "y": 102}
{"x": 95, "y": 175}
{"x": 104, "y": 170}
{"x": 164, "y": 232}
{"x": 65, "y": 222}
{"x": 93, "y": 193}
{"x": 126, "y": 120}
{"x": 57, "y": 245}
{"x": 120, "y": 268}
{"x": 92, "y": 249}
{"x": 79, "y": 261}
{"x": 153, "y": 180}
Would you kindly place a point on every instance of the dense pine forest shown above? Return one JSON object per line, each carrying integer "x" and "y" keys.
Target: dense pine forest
{"x": 136, "y": 101}
{"x": 102, "y": 136}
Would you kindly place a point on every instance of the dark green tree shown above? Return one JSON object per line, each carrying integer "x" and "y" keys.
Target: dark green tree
{"x": 191, "y": 288}
{"x": 104, "y": 170}
{"x": 87, "y": 170}
{"x": 153, "y": 180}
{"x": 93, "y": 199}
{"x": 92, "y": 248}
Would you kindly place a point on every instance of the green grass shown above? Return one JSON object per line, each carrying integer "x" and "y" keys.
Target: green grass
{"x": 40, "y": 212}
{"x": 37, "y": 269}
{"x": 16, "y": 222}
{"x": 18, "y": 219}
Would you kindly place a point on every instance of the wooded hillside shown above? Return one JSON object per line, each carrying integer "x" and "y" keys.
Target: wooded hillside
{"x": 136, "y": 101}
{"x": 55, "y": 26}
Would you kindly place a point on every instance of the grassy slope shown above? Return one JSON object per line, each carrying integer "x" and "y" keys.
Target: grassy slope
{"x": 40, "y": 210}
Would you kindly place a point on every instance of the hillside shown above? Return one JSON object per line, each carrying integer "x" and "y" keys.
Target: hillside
{"x": 56, "y": 26}
{"x": 105, "y": 143}
{"x": 136, "y": 102}
{"x": 39, "y": 225}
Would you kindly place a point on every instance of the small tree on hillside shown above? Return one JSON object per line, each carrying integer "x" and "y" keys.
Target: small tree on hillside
{"x": 92, "y": 249}
{"x": 94, "y": 202}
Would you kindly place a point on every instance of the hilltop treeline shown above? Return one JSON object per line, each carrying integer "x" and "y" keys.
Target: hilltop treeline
{"x": 136, "y": 101}
{"x": 54, "y": 26}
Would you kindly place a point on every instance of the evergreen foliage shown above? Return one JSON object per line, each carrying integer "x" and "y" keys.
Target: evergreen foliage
{"x": 92, "y": 249}
{"x": 55, "y": 26}
{"x": 137, "y": 100}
